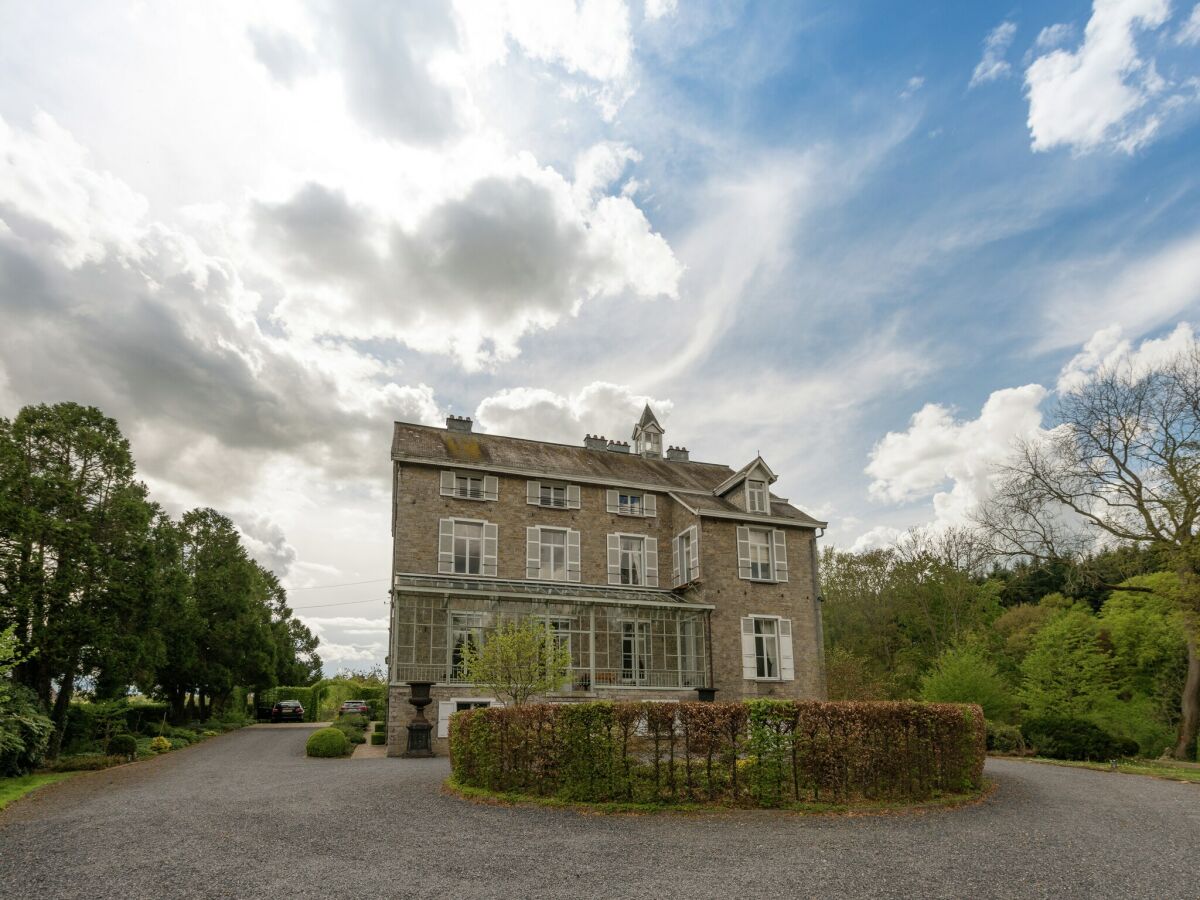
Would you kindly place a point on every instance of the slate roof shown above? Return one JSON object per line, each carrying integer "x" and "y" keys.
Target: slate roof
{"x": 439, "y": 446}
{"x": 780, "y": 509}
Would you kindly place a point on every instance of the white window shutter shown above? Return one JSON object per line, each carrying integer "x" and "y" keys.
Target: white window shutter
{"x": 574, "y": 563}
{"x": 446, "y": 547}
{"x": 649, "y": 504}
{"x": 445, "y": 707}
{"x": 787, "y": 667}
{"x": 573, "y": 500}
{"x": 491, "y": 487}
{"x": 612, "y": 501}
{"x": 533, "y": 492}
{"x": 489, "y": 549}
{"x": 743, "y": 550}
{"x": 614, "y": 559}
{"x": 676, "y": 556}
{"x": 447, "y": 484}
{"x": 694, "y": 571}
{"x": 651, "y": 562}
{"x": 533, "y": 551}
{"x": 749, "y": 661}
{"x": 781, "y": 566}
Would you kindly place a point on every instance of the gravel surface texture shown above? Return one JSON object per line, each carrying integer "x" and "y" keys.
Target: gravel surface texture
{"x": 246, "y": 815}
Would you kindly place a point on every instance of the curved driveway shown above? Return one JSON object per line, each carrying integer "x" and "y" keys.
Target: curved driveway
{"x": 247, "y": 815}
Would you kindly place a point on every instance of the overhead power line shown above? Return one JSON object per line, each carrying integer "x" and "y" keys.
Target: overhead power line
{"x": 342, "y": 603}
{"x": 317, "y": 587}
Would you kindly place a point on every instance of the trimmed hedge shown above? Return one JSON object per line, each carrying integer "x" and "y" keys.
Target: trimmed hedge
{"x": 327, "y": 743}
{"x": 378, "y": 738}
{"x": 759, "y": 753}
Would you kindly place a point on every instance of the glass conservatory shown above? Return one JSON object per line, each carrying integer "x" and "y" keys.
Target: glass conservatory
{"x": 617, "y": 638}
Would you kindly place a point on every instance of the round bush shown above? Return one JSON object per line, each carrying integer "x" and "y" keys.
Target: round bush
{"x": 766, "y": 753}
{"x": 327, "y": 742}
{"x": 160, "y": 744}
{"x": 122, "y": 745}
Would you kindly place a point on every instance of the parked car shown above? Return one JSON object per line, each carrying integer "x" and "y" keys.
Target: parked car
{"x": 287, "y": 711}
{"x": 355, "y": 708}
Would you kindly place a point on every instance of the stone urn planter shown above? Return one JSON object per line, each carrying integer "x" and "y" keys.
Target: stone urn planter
{"x": 420, "y": 731}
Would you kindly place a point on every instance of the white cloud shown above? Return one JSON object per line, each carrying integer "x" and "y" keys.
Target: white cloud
{"x": 913, "y": 85}
{"x": 660, "y": 9}
{"x": 1054, "y": 36}
{"x": 993, "y": 65}
{"x": 939, "y": 449}
{"x": 598, "y": 408}
{"x": 1189, "y": 31}
{"x": 1107, "y": 349}
{"x": 1104, "y": 94}
{"x": 1137, "y": 294}
{"x": 876, "y": 538}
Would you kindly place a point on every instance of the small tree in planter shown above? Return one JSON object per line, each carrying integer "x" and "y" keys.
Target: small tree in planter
{"x": 517, "y": 661}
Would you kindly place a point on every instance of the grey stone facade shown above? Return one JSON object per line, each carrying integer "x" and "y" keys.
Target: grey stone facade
{"x": 690, "y": 633}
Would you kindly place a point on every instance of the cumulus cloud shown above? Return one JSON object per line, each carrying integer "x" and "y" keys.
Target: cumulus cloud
{"x": 266, "y": 543}
{"x": 937, "y": 448}
{"x": 876, "y": 538}
{"x": 951, "y": 459}
{"x": 993, "y": 64}
{"x": 1105, "y": 93}
{"x": 137, "y": 318}
{"x": 516, "y": 251}
{"x": 1054, "y": 36}
{"x": 598, "y": 408}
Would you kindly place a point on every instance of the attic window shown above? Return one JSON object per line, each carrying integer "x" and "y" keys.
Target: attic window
{"x": 756, "y": 496}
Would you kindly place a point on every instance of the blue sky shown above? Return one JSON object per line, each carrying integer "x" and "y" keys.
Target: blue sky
{"x": 866, "y": 239}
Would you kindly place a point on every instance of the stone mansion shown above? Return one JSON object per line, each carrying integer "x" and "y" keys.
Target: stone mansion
{"x": 661, "y": 575}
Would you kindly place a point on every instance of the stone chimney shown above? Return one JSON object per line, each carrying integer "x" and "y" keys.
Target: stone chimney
{"x": 679, "y": 454}
{"x": 458, "y": 423}
{"x": 618, "y": 446}
{"x": 595, "y": 442}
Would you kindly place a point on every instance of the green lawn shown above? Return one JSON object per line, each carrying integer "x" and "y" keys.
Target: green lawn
{"x": 1150, "y": 767}
{"x": 14, "y": 788}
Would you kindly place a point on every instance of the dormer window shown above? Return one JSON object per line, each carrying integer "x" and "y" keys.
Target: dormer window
{"x": 652, "y": 445}
{"x": 756, "y": 496}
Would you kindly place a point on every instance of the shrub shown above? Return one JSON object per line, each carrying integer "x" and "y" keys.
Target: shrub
{"x": 966, "y": 675}
{"x": 377, "y": 738}
{"x": 352, "y": 721}
{"x": 353, "y": 735}
{"x": 762, "y": 753}
{"x": 178, "y": 743}
{"x": 123, "y": 745}
{"x": 209, "y": 734}
{"x": 160, "y": 744}
{"x": 327, "y": 743}
{"x": 24, "y": 731}
{"x": 1064, "y": 737}
{"x": 1005, "y": 739}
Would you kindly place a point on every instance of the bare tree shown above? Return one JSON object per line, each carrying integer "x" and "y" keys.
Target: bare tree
{"x": 1120, "y": 466}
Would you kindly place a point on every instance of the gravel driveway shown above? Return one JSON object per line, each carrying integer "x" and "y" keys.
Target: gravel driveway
{"x": 247, "y": 815}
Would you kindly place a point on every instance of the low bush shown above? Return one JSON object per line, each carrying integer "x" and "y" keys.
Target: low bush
{"x": 378, "y": 738}
{"x": 1005, "y": 739}
{"x": 160, "y": 744}
{"x": 353, "y": 735}
{"x": 123, "y": 745}
{"x": 208, "y": 734}
{"x": 760, "y": 753}
{"x": 178, "y": 743}
{"x": 1064, "y": 737}
{"x": 83, "y": 762}
{"x": 327, "y": 743}
{"x": 353, "y": 721}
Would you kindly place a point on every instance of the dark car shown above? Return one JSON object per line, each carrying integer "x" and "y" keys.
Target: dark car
{"x": 287, "y": 711}
{"x": 355, "y": 708}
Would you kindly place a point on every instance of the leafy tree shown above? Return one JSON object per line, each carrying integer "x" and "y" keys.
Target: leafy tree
{"x": 1067, "y": 672}
{"x": 850, "y": 677}
{"x": 964, "y": 674}
{"x": 1121, "y": 464}
{"x": 517, "y": 660}
{"x": 24, "y": 731}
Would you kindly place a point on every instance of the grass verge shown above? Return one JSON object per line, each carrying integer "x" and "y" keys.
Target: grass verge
{"x": 493, "y": 798}
{"x": 1148, "y": 767}
{"x": 15, "y": 788}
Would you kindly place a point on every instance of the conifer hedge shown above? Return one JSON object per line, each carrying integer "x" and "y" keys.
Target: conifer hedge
{"x": 759, "y": 753}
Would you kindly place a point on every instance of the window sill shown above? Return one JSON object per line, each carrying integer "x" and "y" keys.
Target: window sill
{"x": 466, "y": 497}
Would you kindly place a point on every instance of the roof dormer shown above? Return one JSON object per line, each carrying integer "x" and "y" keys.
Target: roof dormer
{"x": 648, "y": 435}
{"x": 750, "y": 486}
